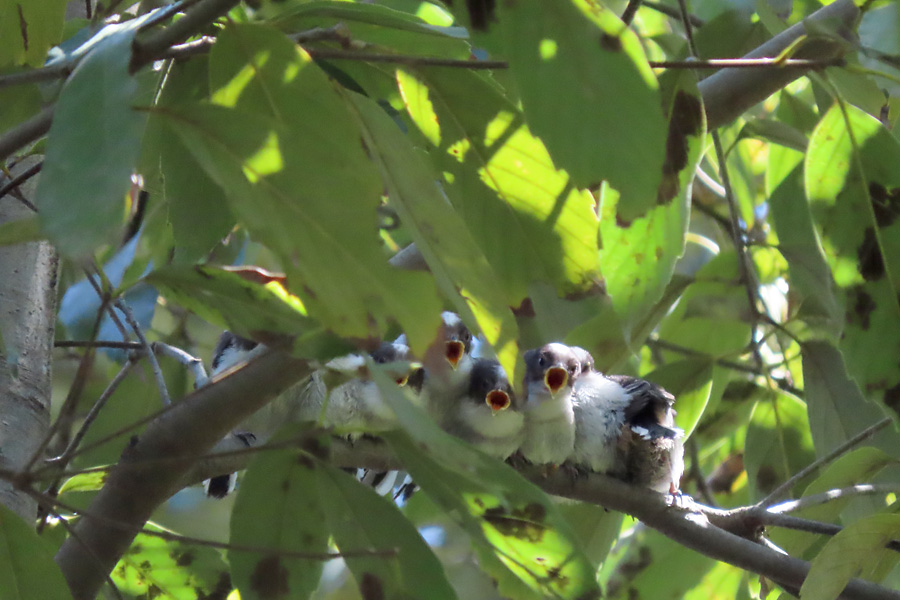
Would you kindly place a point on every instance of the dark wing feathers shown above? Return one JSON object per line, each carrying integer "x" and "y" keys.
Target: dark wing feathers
{"x": 650, "y": 407}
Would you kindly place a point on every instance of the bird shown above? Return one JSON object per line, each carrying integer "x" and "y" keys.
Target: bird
{"x": 447, "y": 365}
{"x": 487, "y": 414}
{"x": 625, "y": 428}
{"x": 550, "y": 373}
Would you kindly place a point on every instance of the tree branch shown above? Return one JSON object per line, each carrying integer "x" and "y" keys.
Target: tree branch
{"x": 137, "y": 485}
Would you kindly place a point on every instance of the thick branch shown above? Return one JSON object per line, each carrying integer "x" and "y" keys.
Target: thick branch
{"x": 138, "y": 485}
{"x": 730, "y": 92}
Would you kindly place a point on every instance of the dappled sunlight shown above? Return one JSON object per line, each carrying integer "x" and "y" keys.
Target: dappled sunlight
{"x": 230, "y": 93}
{"x": 266, "y": 161}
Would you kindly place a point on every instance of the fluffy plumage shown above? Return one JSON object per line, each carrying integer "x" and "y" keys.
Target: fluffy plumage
{"x": 550, "y": 372}
{"x": 487, "y": 415}
{"x": 626, "y": 428}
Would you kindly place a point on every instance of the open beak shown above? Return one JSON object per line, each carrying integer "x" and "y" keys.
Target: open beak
{"x": 555, "y": 379}
{"x": 498, "y": 400}
{"x": 401, "y": 381}
{"x": 454, "y": 352}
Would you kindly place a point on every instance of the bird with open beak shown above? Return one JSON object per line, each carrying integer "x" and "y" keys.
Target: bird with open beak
{"x": 487, "y": 415}
{"x": 448, "y": 364}
{"x": 625, "y": 427}
{"x": 550, "y": 373}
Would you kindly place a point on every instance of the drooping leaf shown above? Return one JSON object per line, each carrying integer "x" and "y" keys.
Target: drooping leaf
{"x": 27, "y": 568}
{"x": 811, "y": 279}
{"x": 93, "y": 147}
{"x": 455, "y": 260}
{"x": 528, "y": 218}
{"x": 296, "y": 175}
{"x": 519, "y": 536}
{"x": 853, "y": 186}
{"x": 198, "y": 211}
{"x": 858, "y": 550}
{"x": 359, "y": 518}
{"x": 639, "y": 256}
{"x": 588, "y": 92}
{"x": 837, "y": 408}
{"x": 778, "y": 441}
{"x": 276, "y": 512}
{"x": 156, "y": 567}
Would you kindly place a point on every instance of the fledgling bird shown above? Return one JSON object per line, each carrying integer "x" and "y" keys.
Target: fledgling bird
{"x": 448, "y": 379}
{"x": 625, "y": 427}
{"x": 487, "y": 415}
{"x": 550, "y": 373}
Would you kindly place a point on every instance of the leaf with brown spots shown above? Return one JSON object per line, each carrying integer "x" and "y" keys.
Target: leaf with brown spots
{"x": 276, "y": 508}
{"x": 171, "y": 569}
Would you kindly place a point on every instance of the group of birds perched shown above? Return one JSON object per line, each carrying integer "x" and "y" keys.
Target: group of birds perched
{"x": 569, "y": 413}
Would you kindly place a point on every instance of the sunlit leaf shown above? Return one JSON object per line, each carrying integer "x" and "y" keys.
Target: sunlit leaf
{"x": 639, "y": 256}
{"x": 528, "y": 218}
{"x": 588, "y": 92}
{"x": 459, "y": 267}
{"x": 28, "y": 30}
{"x": 84, "y": 482}
{"x": 778, "y": 441}
{"x": 690, "y": 381}
{"x": 853, "y": 186}
{"x": 156, "y": 567}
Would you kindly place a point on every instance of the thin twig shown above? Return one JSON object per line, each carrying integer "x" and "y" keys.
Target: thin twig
{"x": 24, "y": 133}
{"x": 697, "y": 475}
{"x": 154, "y": 364}
{"x": 36, "y": 75}
{"x": 860, "y": 437}
{"x": 191, "y": 363}
{"x": 736, "y": 366}
{"x": 672, "y": 12}
{"x": 750, "y": 63}
{"x": 98, "y": 344}
{"x": 406, "y": 59}
{"x": 688, "y": 28}
{"x": 865, "y": 489}
{"x": 19, "y": 180}
{"x": 105, "y": 297}
{"x": 630, "y": 10}
{"x": 63, "y": 459}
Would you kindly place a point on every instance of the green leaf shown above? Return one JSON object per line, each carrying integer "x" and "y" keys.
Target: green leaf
{"x": 639, "y": 256}
{"x": 154, "y": 567}
{"x": 84, "y": 482}
{"x": 27, "y": 568}
{"x": 774, "y": 131}
{"x": 811, "y": 279}
{"x": 276, "y": 512}
{"x": 778, "y": 441}
{"x": 375, "y": 25}
{"x": 92, "y": 148}
{"x": 713, "y": 314}
{"x": 853, "y": 186}
{"x": 525, "y": 214}
{"x": 596, "y": 527}
{"x": 589, "y": 93}
{"x": 459, "y": 267}
{"x": 297, "y": 177}
{"x": 359, "y": 518}
{"x": 226, "y": 298}
{"x": 837, "y": 408}
{"x": 519, "y": 535}
{"x": 856, "y": 551}
{"x": 198, "y": 211}
{"x": 28, "y": 30}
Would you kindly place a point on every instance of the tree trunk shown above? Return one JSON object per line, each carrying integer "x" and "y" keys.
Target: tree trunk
{"x": 27, "y": 319}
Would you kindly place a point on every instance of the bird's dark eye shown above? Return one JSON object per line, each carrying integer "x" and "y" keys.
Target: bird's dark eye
{"x": 542, "y": 360}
